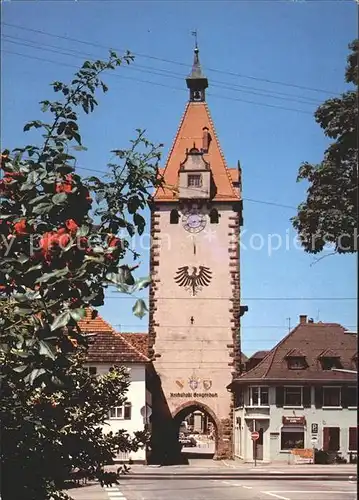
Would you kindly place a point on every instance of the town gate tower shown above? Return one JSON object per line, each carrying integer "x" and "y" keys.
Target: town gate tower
{"x": 194, "y": 337}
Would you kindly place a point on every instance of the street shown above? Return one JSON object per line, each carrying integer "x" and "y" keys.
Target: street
{"x": 222, "y": 489}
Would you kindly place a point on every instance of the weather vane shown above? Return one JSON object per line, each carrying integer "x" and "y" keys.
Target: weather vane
{"x": 194, "y": 33}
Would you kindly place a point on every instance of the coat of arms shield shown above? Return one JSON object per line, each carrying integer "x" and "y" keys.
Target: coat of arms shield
{"x": 207, "y": 384}
{"x": 193, "y": 382}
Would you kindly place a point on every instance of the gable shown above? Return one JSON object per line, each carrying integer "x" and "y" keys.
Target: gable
{"x": 190, "y": 133}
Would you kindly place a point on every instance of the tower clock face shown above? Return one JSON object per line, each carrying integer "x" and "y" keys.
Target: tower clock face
{"x": 194, "y": 222}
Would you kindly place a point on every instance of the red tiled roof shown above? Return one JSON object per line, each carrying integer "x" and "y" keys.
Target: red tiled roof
{"x": 259, "y": 355}
{"x": 108, "y": 347}
{"x": 111, "y": 347}
{"x": 90, "y": 325}
{"x": 138, "y": 340}
{"x": 309, "y": 338}
{"x": 190, "y": 131}
{"x": 295, "y": 353}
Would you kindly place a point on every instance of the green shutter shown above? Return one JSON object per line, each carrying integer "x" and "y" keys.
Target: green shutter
{"x": 279, "y": 396}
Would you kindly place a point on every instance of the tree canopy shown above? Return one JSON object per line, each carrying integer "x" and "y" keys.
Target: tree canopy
{"x": 60, "y": 248}
{"x": 329, "y": 215}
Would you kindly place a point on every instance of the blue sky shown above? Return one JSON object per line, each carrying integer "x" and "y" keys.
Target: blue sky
{"x": 244, "y": 47}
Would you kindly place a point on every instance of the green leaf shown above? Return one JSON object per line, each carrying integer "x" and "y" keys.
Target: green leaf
{"x": 23, "y": 311}
{"x": 142, "y": 283}
{"x": 140, "y": 308}
{"x": 58, "y": 273}
{"x": 20, "y": 369}
{"x": 139, "y": 222}
{"x": 79, "y": 148}
{"x": 46, "y": 350}
{"x": 42, "y": 208}
{"x": 61, "y": 320}
{"x": 36, "y": 372}
{"x": 78, "y": 314}
{"x": 83, "y": 230}
{"x": 59, "y": 198}
{"x": 38, "y": 198}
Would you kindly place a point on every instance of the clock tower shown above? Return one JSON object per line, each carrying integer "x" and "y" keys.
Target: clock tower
{"x": 195, "y": 310}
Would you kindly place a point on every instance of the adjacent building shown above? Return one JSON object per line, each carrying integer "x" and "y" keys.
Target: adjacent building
{"x": 109, "y": 348}
{"x": 296, "y": 396}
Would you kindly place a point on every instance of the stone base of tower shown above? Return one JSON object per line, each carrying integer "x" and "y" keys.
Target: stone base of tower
{"x": 166, "y": 450}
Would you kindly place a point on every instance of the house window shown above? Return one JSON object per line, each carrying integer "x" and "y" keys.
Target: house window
{"x": 331, "y": 396}
{"x": 331, "y": 438}
{"x": 174, "y": 217}
{"x": 292, "y": 437}
{"x": 122, "y": 412}
{"x": 297, "y": 364}
{"x": 194, "y": 180}
{"x": 293, "y": 396}
{"x": 258, "y": 396}
{"x": 353, "y": 439}
{"x": 352, "y": 393}
{"x": 214, "y": 216}
{"x": 329, "y": 363}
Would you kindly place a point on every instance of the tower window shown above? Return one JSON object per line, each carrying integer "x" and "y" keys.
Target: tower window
{"x": 174, "y": 217}
{"x": 194, "y": 180}
{"x": 213, "y": 216}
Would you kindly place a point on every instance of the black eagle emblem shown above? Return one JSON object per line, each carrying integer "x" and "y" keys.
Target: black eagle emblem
{"x": 193, "y": 281}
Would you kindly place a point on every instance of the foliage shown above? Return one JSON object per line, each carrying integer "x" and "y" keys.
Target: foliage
{"x": 330, "y": 212}
{"x": 56, "y": 259}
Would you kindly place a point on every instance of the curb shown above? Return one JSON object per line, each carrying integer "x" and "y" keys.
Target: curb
{"x": 272, "y": 476}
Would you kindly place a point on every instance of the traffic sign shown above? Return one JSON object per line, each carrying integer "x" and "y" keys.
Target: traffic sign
{"x": 314, "y": 439}
{"x": 255, "y": 436}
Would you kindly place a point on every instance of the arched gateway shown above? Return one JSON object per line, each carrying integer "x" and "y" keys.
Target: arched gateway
{"x": 195, "y": 295}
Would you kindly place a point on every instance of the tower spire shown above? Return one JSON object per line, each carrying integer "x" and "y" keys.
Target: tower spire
{"x": 196, "y": 80}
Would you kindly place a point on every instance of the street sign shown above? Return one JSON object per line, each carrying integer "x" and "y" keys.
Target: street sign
{"x": 255, "y": 436}
{"x": 314, "y": 439}
{"x": 314, "y": 428}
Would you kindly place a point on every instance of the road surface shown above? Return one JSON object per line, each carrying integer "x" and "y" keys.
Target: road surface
{"x": 221, "y": 489}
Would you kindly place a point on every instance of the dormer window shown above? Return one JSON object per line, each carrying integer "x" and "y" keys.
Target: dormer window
{"x": 297, "y": 363}
{"x": 296, "y": 360}
{"x": 194, "y": 180}
{"x": 329, "y": 359}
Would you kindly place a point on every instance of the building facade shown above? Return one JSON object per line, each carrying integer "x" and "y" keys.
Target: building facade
{"x": 296, "y": 397}
{"x": 108, "y": 348}
{"x": 195, "y": 296}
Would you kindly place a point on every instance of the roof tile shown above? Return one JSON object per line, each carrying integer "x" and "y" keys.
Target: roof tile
{"x": 309, "y": 338}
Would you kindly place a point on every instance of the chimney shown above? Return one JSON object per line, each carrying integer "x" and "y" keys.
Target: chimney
{"x": 302, "y": 319}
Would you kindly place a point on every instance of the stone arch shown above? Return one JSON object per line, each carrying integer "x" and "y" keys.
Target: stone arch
{"x": 185, "y": 408}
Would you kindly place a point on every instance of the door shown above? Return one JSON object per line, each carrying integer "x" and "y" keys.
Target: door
{"x": 258, "y": 445}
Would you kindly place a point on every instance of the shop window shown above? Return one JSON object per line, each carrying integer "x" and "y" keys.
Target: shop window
{"x": 331, "y": 396}
{"x": 293, "y": 396}
{"x": 122, "y": 412}
{"x": 331, "y": 438}
{"x": 292, "y": 438}
{"x": 258, "y": 396}
{"x": 353, "y": 439}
